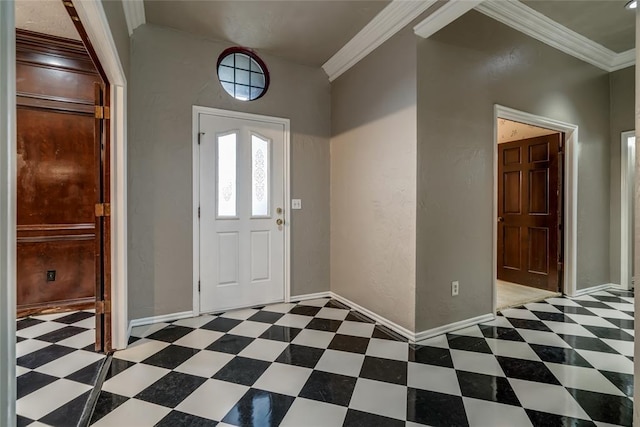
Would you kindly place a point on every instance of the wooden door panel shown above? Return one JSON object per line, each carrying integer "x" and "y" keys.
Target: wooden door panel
{"x": 512, "y": 188}
{"x": 538, "y": 248}
{"x": 539, "y": 152}
{"x": 512, "y": 242}
{"x": 511, "y": 156}
{"x": 539, "y": 192}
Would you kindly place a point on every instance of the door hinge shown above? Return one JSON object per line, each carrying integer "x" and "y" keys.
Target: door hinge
{"x": 102, "y": 112}
{"x": 198, "y": 211}
{"x": 103, "y": 209}
{"x": 198, "y": 285}
{"x": 103, "y": 307}
{"x": 200, "y": 136}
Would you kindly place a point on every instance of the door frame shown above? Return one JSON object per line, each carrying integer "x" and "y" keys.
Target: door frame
{"x": 627, "y": 176}
{"x": 197, "y": 110}
{"x": 570, "y": 193}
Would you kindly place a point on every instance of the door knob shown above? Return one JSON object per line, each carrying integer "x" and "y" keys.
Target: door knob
{"x": 279, "y": 221}
{"x": 500, "y": 219}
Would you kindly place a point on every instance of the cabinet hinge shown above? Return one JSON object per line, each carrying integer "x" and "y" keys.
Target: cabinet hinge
{"x": 102, "y": 112}
{"x": 103, "y": 307}
{"x": 103, "y": 209}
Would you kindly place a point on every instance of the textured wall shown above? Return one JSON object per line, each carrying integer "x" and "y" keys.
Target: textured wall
{"x": 118, "y": 24}
{"x": 463, "y": 70}
{"x": 170, "y": 72}
{"x": 373, "y": 181}
{"x": 622, "y": 85}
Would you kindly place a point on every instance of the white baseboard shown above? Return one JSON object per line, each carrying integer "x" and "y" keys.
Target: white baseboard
{"x": 157, "y": 319}
{"x": 429, "y": 333}
{"x": 585, "y": 291}
{"x": 381, "y": 320}
{"x": 325, "y": 294}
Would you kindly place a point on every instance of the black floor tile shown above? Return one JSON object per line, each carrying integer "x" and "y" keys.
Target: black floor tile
{"x": 32, "y": 381}
{"x": 431, "y": 356}
{"x": 20, "y": 339}
{"x": 280, "y": 333}
{"x": 588, "y": 343}
{"x": 543, "y": 419}
{"x": 23, "y": 421}
{"x": 622, "y": 323}
{"x": 500, "y": 333}
{"x": 463, "y": 342}
{"x": 487, "y": 387}
{"x": 553, "y": 317}
{"x": 305, "y": 310}
{"x": 27, "y": 322}
{"x": 337, "y": 304}
{"x": 266, "y": 317}
{"x": 594, "y": 304}
{"x": 171, "y": 389}
{"x": 391, "y": 371}
{"x": 181, "y": 419}
{"x": 259, "y": 408}
{"x": 232, "y": 344}
{"x": 382, "y": 332}
{"x": 536, "y": 325}
{"x": 45, "y": 355}
{"x": 171, "y": 357}
{"x": 61, "y": 334}
{"x": 241, "y": 370}
{"x": 606, "y": 298}
{"x": 117, "y": 366}
{"x": 170, "y": 333}
{"x": 435, "y": 409}
{"x": 87, "y": 375}
{"x": 221, "y": 324}
{"x": 349, "y": 343}
{"x": 574, "y": 310}
{"x": 300, "y": 355}
{"x": 329, "y": 388}
{"x": 69, "y": 414}
{"x": 566, "y": 356}
{"x": 106, "y": 403}
{"x": 327, "y": 325}
{"x": 365, "y": 419}
{"x": 133, "y": 339}
{"x": 526, "y": 370}
{"x": 354, "y": 316}
{"x": 609, "y": 333}
{"x": 75, "y": 317}
{"x": 623, "y": 381}
{"x": 605, "y": 408}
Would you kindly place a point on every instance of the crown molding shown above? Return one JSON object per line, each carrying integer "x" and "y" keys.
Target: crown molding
{"x": 442, "y": 17}
{"x": 134, "y": 14}
{"x": 536, "y": 25}
{"x": 397, "y": 15}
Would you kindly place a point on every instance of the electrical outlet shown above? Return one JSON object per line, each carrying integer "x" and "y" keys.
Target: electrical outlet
{"x": 296, "y": 203}
{"x": 455, "y": 288}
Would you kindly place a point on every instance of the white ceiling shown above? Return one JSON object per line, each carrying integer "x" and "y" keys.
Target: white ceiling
{"x": 45, "y": 16}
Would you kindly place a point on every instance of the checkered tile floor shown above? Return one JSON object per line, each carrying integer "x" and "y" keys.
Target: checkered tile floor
{"x": 56, "y": 367}
{"x": 317, "y": 363}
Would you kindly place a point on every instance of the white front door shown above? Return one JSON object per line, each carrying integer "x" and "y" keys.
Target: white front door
{"x": 242, "y": 199}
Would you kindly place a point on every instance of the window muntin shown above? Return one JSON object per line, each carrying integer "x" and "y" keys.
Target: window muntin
{"x": 242, "y": 74}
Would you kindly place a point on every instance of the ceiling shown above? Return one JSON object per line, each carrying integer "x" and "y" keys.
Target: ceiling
{"x": 509, "y": 131}
{"x": 45, "y": 16}
{"x": 307, "y": 32}
{"x": 606, "y": 22}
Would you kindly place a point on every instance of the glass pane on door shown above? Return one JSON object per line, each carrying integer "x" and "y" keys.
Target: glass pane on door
{"x": 259, "y": 176}
{"x": 227, "y": 177}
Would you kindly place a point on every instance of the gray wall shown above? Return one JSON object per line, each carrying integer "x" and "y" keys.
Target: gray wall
{"x": 463, "y": 70}
{"x": 622, "y": 85}
{"x": 373, "y": 181}
{"x": 118, "y": 24}
{"x": 170, "y": 72}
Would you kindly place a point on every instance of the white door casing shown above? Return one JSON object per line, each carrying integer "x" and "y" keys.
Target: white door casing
{"x": 627, "y": 195}
{"x": 242, "y": 194}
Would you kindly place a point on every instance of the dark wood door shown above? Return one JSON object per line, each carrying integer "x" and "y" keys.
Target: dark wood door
{"x": 58, "y": 175}
{"x": 529, "y": 211}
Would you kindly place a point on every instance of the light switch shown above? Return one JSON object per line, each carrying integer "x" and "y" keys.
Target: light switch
{"x": 296, "y": 203}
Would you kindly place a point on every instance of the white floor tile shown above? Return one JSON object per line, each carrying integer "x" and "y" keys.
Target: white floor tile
{"x": 607, "y": 361}
{"x": 568, "y": 329}
{"x": 311, "y": 338}
{"x": 519, "y": 313}
{"x": 542, "y": 338}
{"x": 611, "y": 313}
{"x": 471, "y": 331}
{"x": 199, "y": 338}
{"x": 279, "y": 308}
{"x": 439, "y": 341}
{"x": 320, "y": 302}
{"x": 388, "y": 400}
{"x": 134, "y": 413}
{"x": 283, "y": 379}
{"x": 341, "y": 362}
{"x": 250, "y": 329}
{"x": 515, "y": 349}
{"x": 133, "y": 380}
{"x": 332, "y": 313}
{"x": 433, "y": 378}
{"x": 88, "y": 323}
{"x": 548, "y": 398}
{"x": 388, "y": 349}
{"x": 485, "y": 413}
{"x": 70, "y": 363}
{"x": 39, "y": 329}
{"x": 21, "y": 371}
{"x": 243, "y": 314}
{"x": 480, "y": 363}
{"x": 195, "y": 322}
{"x": 562, "y": 301}
{"x": 311, "y": 413}
{"x": 29, "y": 346}
{"x": 146, "y": 330}
{"x": 213, "y": 399}
{"x": 262, "y": 349}
{"x": 544, "y": 307}
{"x": 623, "y": 347}
{"x": 205, "y": 363}
{"x": 583, "y": 379}
{"x": 500, "y": 321}
{"x": 620, "y": 306}
{"x": 80, "y": 340}
{"x": 357, "y": 329}
{"x": 52, "y": 316}
{"x": 140, "y": 350}
{"x": 294, "y": 320}
{"x": 583, "y": 319}
{"x": 39, "y": 403}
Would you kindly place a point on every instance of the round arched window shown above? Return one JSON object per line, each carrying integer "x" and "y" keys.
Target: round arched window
{"x": 242, "y": 74}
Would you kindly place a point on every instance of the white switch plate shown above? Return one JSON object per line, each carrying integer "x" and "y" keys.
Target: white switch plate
{"x": 455, "y": 288}
{"x": 296, "y": 203}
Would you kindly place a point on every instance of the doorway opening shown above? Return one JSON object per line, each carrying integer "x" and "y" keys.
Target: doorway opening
{"x": 533, "y": 200}
{"x": 627, "y": 208}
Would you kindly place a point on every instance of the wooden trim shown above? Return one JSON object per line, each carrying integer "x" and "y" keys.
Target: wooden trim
{"x": 55, "y": 307}
{"x": 41, "y": 49}
{"x": 71, "y": 10}
{"x": 56, "y": 227}
{"x": 63, "y": 238}
{"x": 45, "y": 105}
